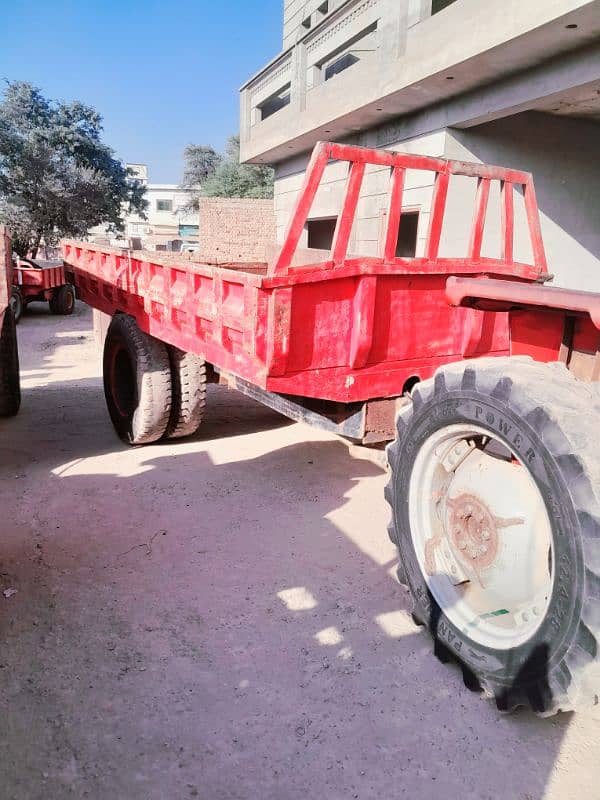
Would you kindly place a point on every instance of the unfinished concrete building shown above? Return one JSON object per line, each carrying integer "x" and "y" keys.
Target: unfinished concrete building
{"x": 514, "y": 83}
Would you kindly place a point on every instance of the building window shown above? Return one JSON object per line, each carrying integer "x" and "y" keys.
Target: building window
{"x": 188, "y": 230}
{"x": 275, "y": 102}
{"x": 164, "y": 205}
{"x": 320, "y": 233}
{"x": 439, "y": 5}
{"x": 340, "y": 64}
{"x": 323, "y": 8}
{"x": 353, "y": 51}
{"x": 406, "y": 246}
{"x": 306, "y": 23}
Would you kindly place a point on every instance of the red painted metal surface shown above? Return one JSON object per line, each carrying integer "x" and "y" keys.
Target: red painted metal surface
{"x": 36, "y": 282}
{"x": 342, "y": 329}
{"x": 547, "y": 323}
{"x": 509, "y": 295}
{"x": 5, "y": 268}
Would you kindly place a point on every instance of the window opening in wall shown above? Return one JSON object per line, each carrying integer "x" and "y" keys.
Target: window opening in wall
{"x": 164, "y": 205}
{"x": 306, "y": 23}
{"x": 406, "y": 247}
{"x": 320, "y": 232}
{"x": 439, "y": 5}
{"x": 342, "y": 63}
{"x": 275, "y": 102}
{"x": 323, "y": 8}
{"x": 352, "y": 52}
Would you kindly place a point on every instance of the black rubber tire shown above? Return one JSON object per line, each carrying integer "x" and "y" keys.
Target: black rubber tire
{"x": 188, "y": 393}
{"x": 137, "y": 382}
{"x": 10, "y": 387}
{"x": 550, "y": 421}
{"x": 63, "y": 300}
{"x": 16, "y": 303}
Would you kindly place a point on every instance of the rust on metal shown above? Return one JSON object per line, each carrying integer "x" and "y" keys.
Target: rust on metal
{"x": 472, "y": 530}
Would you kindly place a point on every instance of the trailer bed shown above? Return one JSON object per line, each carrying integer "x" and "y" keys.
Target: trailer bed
{"x": 341, "y": 328}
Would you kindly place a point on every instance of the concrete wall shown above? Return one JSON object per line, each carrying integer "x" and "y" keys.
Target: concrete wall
{"x": 409, "y": 61}
{"x": 367, "y": 228}
{"x": 564, "y": 157}
{"x": 296, "y": 12}
{"x": 562, "y": 154}
{"x": 235, "y": 229}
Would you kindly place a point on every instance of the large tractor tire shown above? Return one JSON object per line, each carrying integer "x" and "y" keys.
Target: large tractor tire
{"x": 188, "y": 393}
{"x": 17, "y": 303}
{"x": 63, "y": 300}
{"x": 494, "y": 488}
{"x": 137, "y": 382}
{"x": 10, "y": 388}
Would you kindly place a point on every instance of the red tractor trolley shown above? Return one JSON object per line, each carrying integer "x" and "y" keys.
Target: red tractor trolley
{"x": 41, "y": 281}
{"x": 480, "y": 377}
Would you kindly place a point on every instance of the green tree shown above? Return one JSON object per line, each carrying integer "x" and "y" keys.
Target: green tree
{"x": 200, "y": 162}
{"x": 229, "y": 178}
{"x": 57, "y": 177}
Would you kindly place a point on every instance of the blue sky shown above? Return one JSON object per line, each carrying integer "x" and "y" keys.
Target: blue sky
{"x": 162, "y": 74}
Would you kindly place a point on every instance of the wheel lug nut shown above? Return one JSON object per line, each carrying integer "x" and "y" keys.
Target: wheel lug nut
{"x": 525, "y": 616}
{"x": 483, "y": 549}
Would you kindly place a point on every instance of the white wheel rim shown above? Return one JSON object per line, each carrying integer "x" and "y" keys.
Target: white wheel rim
{"x": 482, "y": 536}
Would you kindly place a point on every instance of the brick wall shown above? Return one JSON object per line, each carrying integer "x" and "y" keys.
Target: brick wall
{"x": 234, "y": 229}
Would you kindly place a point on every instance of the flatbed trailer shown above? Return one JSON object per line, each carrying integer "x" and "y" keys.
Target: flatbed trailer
{"x": 494, "y": 475}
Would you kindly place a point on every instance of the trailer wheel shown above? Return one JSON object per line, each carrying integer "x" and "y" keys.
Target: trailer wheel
{"x": 188, "y": 392}
{"x": 16, "y": 303}
{"x": 63, "y": 300}
{"x": 10, "y": 389}
{"x": 137, "y": 382}
{"x": 497, "y": 520}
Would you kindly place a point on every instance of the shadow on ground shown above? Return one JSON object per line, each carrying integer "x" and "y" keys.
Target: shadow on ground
{"x": 218, "y": 619}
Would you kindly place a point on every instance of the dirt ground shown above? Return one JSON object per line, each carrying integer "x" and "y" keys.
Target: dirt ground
{"x": 219, "y": 618}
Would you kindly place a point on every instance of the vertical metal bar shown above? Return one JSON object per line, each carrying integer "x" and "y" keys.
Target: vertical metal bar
{"x": 313, "y": 176}
{"x": 436, "y": 221}
{"x": 533, "y": 222}
{"x": 345, "y": 221}
{"x": 394, "y": 213}
{"x": 508, "y": 221}
{"x": 481, "y": 203}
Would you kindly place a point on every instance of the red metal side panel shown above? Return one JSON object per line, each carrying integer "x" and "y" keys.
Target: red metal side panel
{"x": 40, "y": 279}
{"x": 537, "y": 334}
{"x": 217, "y": 313}
{"x": 355, "y": 337}
{"x": 415, "y": 321}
